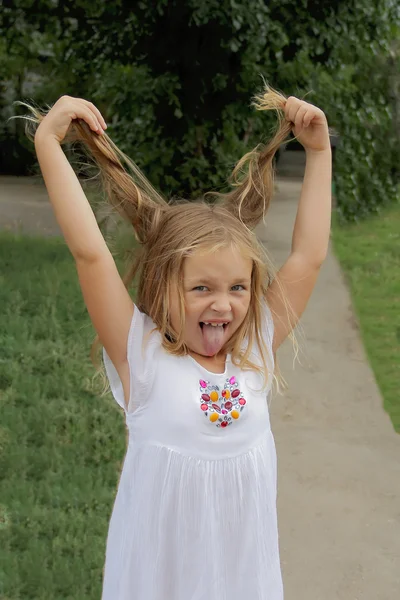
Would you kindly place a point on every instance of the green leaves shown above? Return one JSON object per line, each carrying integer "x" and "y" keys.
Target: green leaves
{"x": 164, "y": 71}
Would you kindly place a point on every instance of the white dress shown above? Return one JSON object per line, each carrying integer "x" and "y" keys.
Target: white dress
{"x": 195, "y": 513}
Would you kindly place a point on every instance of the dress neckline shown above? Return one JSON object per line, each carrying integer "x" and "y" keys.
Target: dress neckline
{"x": 223, "y": 374}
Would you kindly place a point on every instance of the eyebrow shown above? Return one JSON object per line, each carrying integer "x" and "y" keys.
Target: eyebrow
{"x": 207, "y": 280}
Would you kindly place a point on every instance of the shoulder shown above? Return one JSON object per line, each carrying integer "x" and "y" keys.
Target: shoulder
{"x": 143, "y": 328}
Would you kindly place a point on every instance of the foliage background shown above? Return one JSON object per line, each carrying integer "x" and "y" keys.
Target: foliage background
{"x": 175, "y": 80}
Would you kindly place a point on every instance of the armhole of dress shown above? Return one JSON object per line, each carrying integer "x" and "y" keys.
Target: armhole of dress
{"x": 112, "y": 373}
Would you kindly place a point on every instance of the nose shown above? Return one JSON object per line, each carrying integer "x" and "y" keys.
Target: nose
{"x": 221, "y": 303}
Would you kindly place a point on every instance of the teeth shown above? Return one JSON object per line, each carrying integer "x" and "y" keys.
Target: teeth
{"x": 216, "y": 324}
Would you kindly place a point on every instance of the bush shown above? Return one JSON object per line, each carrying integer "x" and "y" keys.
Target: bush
{"x": 176, "y": 81}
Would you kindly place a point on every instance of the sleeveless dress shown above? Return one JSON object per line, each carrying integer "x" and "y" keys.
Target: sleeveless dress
{"x": 195, "y": 512}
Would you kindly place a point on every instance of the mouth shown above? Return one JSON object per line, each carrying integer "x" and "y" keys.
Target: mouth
{"x": 223, "y": 324}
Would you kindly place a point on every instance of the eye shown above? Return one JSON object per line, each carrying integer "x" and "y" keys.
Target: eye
{"x": 236, "y": 288}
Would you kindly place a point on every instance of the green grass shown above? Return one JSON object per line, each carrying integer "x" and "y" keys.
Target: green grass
{"x": 61, "y": 446}
{"x": 369, "y": 253}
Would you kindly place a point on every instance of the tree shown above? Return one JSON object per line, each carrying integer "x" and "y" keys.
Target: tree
{"x": 175, "y": 79}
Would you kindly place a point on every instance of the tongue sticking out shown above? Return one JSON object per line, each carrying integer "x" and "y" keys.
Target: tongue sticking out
{"x": 213, "y": 338}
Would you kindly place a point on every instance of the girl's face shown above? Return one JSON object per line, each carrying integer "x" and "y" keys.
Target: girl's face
{"x": 217, "y": 288}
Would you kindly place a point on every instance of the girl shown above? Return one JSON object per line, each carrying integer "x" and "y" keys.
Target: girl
{"x": 192, "y": 362}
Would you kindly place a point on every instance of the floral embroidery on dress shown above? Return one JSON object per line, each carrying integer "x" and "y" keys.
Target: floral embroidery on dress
{"x": 221, "y": 407}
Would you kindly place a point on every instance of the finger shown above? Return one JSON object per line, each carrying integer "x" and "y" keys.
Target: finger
{"x": 96, "y": 112}
{"x": 314, "y": 113}
{"x": 308, "y": 117}
{"x": 292, "y": 106}
{"x": 87, "y": 115}
{"x": 93, "y": 121}
{"x": 299, "y": 119}
{"x": 289, "y": 108}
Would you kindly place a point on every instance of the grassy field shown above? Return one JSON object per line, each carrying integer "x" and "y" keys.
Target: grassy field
{"x": 61, "y": 446}
{"x": 369, "y": 253}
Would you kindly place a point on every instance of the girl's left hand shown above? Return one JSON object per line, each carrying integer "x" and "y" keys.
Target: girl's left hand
{"x": 310, "y": 125}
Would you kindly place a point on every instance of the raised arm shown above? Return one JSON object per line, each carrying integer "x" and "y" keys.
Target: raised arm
{"x": 71, "y": 207}
{"x": 297, "y": 277}
{"x": 107, "y": 300}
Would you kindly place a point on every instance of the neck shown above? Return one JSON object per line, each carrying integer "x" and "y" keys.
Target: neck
{"x": 217, "y": 358}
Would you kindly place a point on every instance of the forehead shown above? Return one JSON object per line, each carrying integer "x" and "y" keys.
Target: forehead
{"x": 222, "y": 264}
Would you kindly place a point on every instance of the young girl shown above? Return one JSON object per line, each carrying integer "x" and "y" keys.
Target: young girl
{"x": 191, "y": 363}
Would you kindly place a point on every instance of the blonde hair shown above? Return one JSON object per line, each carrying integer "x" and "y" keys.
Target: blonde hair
{"x": 168, "y": 232}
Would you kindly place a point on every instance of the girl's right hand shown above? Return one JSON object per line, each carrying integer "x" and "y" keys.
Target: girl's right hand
{"x": 58, "y": 120}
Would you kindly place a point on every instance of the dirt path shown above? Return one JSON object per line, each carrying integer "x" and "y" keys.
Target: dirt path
{"x": 339, "y": 468}
{"x": 25, "y": 206}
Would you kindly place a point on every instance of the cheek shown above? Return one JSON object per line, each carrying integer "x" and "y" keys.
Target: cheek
{"x": 243, "y": 310}
{"x": 192, "y": 310}
{"x": 192, "y": 303}
{"x": 244, "y": 304}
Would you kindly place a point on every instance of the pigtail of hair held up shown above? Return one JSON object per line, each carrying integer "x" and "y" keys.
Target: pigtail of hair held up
{"x": 253, "y": 176}
{"x": 132, "y": 196}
